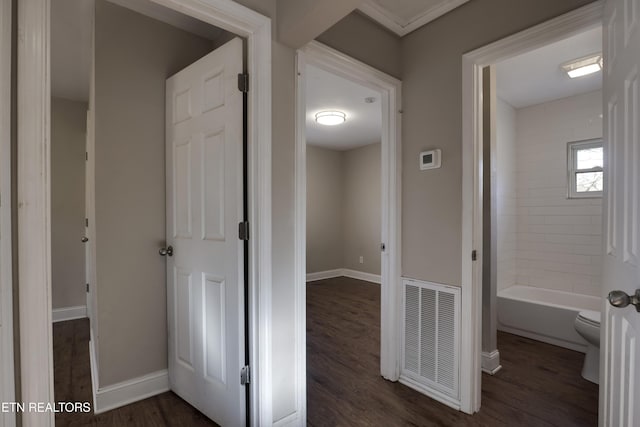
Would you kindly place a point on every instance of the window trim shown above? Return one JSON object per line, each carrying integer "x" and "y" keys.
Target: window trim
{"x": 572, "y": 170}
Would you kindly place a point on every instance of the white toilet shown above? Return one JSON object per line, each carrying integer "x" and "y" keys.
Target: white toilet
{"x": 587, "y": 324}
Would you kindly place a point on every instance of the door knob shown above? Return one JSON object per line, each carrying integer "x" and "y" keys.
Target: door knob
{"x": 168, "y": 251}
{"x": 84, "y": 239}
{"x": 621, "y": 299}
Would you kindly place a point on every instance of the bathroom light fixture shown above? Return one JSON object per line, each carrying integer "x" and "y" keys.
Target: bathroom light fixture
{"x": 331, "y": 118}
{"x": 583, "y": 66}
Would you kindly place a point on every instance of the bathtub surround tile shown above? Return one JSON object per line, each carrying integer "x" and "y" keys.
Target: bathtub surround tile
{"x": 588, "y": 249}
{"x": 567, "y": 220}
{"x": 586, "y": 287}
{"x": 504, "y": 182}
{"x": 558, "y": 241}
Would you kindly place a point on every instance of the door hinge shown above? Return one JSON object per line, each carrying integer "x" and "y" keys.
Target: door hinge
{"x": 86, "y": 222}
{"x": 474, "y": 255}
{"x": 383, "y": 247}
{"x": 86, "y": 155}
{"x": 245, "y": 375}
{"x": 87, "y": 287}
{"x": 243, "y": 82}
{"x": 243, "y": 230}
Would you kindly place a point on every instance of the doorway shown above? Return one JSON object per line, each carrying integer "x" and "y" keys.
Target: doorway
{"x": 343, "y": 239}
{"x": 34, "y": 91}
{"x": 543, "y": 168}
{"x": 474, "y": 62}
{"x": 328, "y": 60}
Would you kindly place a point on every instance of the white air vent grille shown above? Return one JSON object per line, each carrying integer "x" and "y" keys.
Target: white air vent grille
{"x": 431, "y": 336}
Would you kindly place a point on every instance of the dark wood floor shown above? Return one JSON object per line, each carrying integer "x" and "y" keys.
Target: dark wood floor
{"x": 539, "y": 384}
{"x": 72, "y": 378}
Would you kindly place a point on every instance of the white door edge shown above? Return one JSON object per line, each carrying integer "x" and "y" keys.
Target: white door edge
{"x": 34, "y": 138}
{"x": 7, "y": 380}
{"x": 390, "y": 88}
{"x": 472, "y": 64}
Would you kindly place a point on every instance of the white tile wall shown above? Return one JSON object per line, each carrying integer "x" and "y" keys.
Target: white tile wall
{"x": 504, "y": 173}
{"x": 558, "y": 240}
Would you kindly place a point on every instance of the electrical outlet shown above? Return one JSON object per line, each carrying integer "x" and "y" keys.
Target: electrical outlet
{"x": 361, "y": 259}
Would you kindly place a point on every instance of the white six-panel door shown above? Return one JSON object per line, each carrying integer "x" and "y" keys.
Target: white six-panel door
{"x": 620, "y": 335}
{"x": 204, "y": 206}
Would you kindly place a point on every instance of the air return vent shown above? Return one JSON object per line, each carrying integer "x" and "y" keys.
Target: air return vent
{"x": 431, "y": 338}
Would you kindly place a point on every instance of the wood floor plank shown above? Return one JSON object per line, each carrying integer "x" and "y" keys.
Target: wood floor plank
{"x": 539, "y": 384}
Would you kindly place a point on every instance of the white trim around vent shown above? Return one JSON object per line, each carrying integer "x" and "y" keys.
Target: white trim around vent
{"x": 430, "y": 336}
{"x": 69, "y": 313}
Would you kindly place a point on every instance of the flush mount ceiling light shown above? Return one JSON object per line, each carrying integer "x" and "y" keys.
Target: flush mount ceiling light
{"x": 583, "y": 66}
{"x": 331, "y": 118}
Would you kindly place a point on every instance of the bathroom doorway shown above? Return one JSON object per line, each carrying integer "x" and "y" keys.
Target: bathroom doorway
{"x": 542, "y": 210}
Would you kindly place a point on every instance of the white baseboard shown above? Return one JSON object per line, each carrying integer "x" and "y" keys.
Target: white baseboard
{"x": 290, "y": 420}
{"x": 360, "y": 275}
{"x": 94, "y": 370}
{"x": 126, "y": 392}
{"x": 69, "y": 313}
{"x": 430, "y": 392}
{"x": 321, "y": 275}
{"x": 491, "y": 362}
{"x": 344, "y": 272}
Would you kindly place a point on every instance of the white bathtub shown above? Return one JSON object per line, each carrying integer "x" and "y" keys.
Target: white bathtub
{"x": 543, "y": 314}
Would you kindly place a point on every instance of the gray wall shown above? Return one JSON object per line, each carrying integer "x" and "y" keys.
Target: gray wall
{"x": 362, "y": 203}
{"x": 343, "y": 209}
{"x": 325, "y": 216}
{"x": 432, "y": 117}
{"x": 68, "y": 143}
{"x": 134, "y": 56}
{"x": 361, "y": 38}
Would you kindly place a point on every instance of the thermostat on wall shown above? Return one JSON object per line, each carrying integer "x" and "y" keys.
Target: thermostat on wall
{"x": 430, "y": 159}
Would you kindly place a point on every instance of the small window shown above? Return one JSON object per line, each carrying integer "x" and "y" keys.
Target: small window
{"x": 585, "y": 161}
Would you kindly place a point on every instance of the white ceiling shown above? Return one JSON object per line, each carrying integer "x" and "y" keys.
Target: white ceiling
{"x": 536, "y": 77}
{"x": 405, "y": 16}
{"x": 326, "y": 91}
{"x": 71, "y": 22}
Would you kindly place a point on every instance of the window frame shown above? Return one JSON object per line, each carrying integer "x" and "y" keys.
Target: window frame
{"x": 572, "y": 168}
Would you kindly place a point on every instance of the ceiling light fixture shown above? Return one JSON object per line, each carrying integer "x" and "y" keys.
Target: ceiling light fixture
{"x": 583, "y": 66}
{"x": 331, "y": 118}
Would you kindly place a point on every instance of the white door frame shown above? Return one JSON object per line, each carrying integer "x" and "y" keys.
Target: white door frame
{"x": 472, "y": 64}
{"x": 7, "y": 379}
{"x": 390, "y": 88}
{"x": 34, "y": 227}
